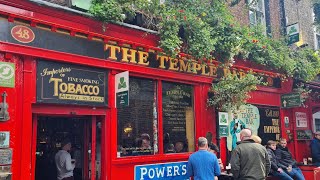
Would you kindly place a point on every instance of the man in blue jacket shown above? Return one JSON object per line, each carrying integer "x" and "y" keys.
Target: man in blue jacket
{"x": 315, "y": 149}
{"x": 203, "y": 165}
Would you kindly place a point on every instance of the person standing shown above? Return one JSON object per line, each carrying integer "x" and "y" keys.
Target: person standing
{"x": 249, "y": 160}
{"x": 275, "y": 169}
{"x": 63, "y": 161}
{"x": 236, "y": 125}
{"x": 286, "y": 162}
{"x": 315, "y": 149}
{"x": 203, "y": 165}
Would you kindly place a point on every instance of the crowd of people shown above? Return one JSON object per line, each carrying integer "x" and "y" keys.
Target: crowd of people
{"x": 250, "y": 159}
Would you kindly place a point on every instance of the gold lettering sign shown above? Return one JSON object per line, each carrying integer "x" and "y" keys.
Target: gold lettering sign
{"x": 131, "y": 56}
{"x": 183, "y": 65}
{"x": 70, "y": 84}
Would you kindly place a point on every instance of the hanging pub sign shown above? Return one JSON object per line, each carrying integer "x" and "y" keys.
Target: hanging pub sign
{"x": 70, "y": 84}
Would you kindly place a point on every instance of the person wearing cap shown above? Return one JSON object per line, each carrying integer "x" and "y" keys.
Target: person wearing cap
{"x": 315, "y": 149}
{"x": 63, "y": 162}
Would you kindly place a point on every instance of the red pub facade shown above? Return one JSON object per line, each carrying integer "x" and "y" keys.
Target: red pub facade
{"x": 66, "y": 85}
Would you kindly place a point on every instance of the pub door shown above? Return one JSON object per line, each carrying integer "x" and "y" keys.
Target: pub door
{"x": 84, "y": 132}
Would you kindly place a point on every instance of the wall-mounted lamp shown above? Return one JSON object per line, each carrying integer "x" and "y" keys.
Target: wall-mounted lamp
{"x": 127, "y": 129}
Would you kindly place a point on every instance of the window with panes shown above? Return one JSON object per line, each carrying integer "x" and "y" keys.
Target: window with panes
{"x": 138, "y": 123}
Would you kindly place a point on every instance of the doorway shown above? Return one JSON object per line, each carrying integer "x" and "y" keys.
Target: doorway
{"x": 84, "y": 133}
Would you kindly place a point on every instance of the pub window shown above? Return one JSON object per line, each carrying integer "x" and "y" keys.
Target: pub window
{"x": 138, "y": 123}
{"x": 256, "y": 12}
{"x": 178, "y": 118}
{"x": 316, "y": 121}
{"x": 318, "y": 41}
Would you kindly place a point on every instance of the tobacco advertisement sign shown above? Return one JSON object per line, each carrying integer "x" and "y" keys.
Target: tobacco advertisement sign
{"x": 70, "y": 84}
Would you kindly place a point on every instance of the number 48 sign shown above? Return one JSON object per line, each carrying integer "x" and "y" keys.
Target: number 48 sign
{"x": 22, "y": 34}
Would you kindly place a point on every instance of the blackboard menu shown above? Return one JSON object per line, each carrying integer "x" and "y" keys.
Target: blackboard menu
{"x": 177, "y": 99}
{"x": 269, "y": 128}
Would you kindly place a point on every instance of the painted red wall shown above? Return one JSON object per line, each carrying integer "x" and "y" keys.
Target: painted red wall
{"x": 14, "y": 100}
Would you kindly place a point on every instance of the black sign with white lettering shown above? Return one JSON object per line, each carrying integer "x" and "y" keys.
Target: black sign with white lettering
{"x": 269, "y": 128}
{"x": 70, "y": 84}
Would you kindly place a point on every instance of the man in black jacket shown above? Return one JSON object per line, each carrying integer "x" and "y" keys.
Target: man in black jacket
{"x": 286, "y": 162}
{"x": 315, "y": 149}
{"x": 275, "y": 169}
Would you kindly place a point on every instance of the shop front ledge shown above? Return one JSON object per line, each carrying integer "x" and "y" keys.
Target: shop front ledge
{"x": 152, "y": 158}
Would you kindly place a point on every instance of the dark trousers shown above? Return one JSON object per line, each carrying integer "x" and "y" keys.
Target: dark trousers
{"x": 68, "y": 178}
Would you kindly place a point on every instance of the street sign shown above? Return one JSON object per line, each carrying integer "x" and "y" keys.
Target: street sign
{"x": 122, "y": 89}
{"x": 7, "y": 74}
{"x": 293, "y": 33}
{"x": 290, "y": 100}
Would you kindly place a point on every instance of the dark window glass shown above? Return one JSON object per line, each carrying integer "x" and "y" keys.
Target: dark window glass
{"x": 318, "y": 40}
{"x": 317, "y": 124}
{"x": 178, "y": 117}
{"x": 138, "y": 123}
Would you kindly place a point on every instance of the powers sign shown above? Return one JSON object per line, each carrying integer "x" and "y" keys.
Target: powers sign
{"x": 165, "y": 171}
{"x": 70, "y": 84}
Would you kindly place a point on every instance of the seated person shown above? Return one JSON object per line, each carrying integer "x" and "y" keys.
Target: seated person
{"x": 170, "y": 149}
{"x": 286, "y": 162}
{"x": 143, "y": 145}
{"x": 315, "y": 149}
{"x": 215, "y": 150}
{"x": 179, "y": 147}
{"x": 145, "y": 141}
{"x": 275, "y": 169}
